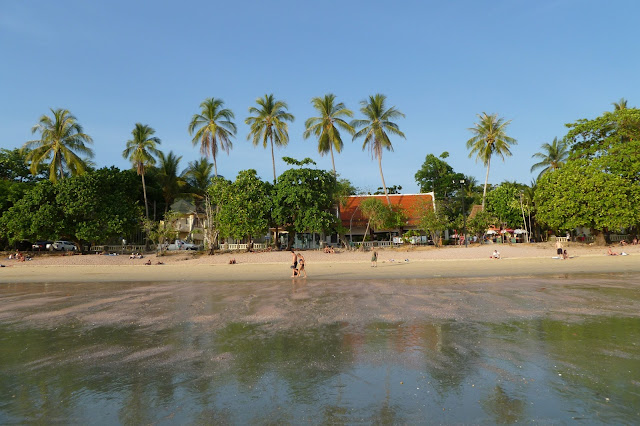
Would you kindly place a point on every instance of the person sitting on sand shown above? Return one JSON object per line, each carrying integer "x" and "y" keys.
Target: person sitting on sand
{"x": 495, "y": 254}
{"x": 374, "y": 259}
{"x": 148, "y": 262}
{"x": 232, "y": 261}
{"x": 565, "y": 255}
{"x": 611, "y": 252}
{"x": 159, "y": 263}
{"x": 132, "y": 256}
{"x": 301, "y": 270}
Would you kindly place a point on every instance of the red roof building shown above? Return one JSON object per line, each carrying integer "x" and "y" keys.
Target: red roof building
{"x": 411, "y": 204}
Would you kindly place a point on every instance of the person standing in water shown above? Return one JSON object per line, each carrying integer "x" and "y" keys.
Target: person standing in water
{"x": 294, "y": 264}
{"x": 301, "y": 271}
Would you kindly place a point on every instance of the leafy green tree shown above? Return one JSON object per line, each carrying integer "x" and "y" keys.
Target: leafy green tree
{"x": 218, "y": 196}
{"x": 326, "y": 126}
{"x": 303, "y": 200}
{"x": 381, "y": 216}
{"x": 433, "y": 221}
{"x": 269, "y": 124}
{"x": 374, "y": 128}
{"x": 141, "y": 150}
{"x": 99, "y": 206}
{"x": 553, "y": 156}
{"x": 10, "y": 192}
{"x": 503, "y": 202}
{"x": 613, "y": 135}
{"x": 35, "y": 216}
{"x": 437, "y": 176}
{"x": 96, "y": 207}
{"x": 170, "y": 182}
{"x": 213, "y": 129}
{"x": 161, "y": 232}
{"x": 61, "y": 141}
{"x": 489, "y": 139}
{"x": 584, "y": 193}
{"x": 480, "y": 222}
{"x": 246, "y": 207}
{"x": 13, "y": 166}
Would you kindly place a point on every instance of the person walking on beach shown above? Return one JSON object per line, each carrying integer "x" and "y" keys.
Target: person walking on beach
{"x": 294, "y": 264}
{"x": 559, "y": 250}
{"x": 301, "y": 270}
{"x": 374, "y": 259}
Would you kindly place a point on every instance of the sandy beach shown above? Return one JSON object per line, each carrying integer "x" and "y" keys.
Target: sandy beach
{"x": 401, "y": 263}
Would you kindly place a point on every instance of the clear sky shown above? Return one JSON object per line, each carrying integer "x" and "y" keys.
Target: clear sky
{"x": 113, "y": 63}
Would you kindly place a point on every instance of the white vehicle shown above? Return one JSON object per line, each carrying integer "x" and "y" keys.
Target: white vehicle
{"x": 182, "y": 245}
{"x": 64, "y": 246}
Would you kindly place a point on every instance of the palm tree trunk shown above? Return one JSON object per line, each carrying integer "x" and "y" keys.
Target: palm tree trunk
{"x": 61, "y": 171}
{"x": 384, "y": 185}
{"x": 333, "y": 162}
{"x": 215, "y": 165}
{"x": 144, "y": 191}
{"x": 273, "y": 160}
{"x": 486, "y": 180}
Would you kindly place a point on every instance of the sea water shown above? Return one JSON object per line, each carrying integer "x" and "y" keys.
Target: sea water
{"x": 506, "y": 350}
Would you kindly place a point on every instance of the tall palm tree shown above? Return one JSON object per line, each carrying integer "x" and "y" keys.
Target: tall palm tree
{"x": 620, "y": 105}
{"x": 61, "y": 139}
{"x": 374, "y": 129}
{"x": 213, "y": 129}
{"x": 489, "y": 138}
{"x": 269, "y": 124}
{"x": 324, "y": 126}
{"x": 170, "y": 182}
{"x": 553, "y": 156}
{"x": 198, "y": 176}
{"x": 141, "y": 151}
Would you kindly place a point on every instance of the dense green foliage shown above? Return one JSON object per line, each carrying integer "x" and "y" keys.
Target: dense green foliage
{"x": 503, "y": 202}
{"x": 94, "y": 207}
{"x": 433, "y": 222}
{"x": 243, "y": 207}
{"x": 437, "y": 176}
{"x": 13, "y": 166}
{"x": 304, "y": 199}
{"x": 598, "y": 187}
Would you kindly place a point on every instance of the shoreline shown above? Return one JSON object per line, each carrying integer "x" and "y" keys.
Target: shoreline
{"x": 253, "y": 267}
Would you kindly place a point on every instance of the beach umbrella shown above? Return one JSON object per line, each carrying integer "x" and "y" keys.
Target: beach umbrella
{"x": 506, "y": 230}
{"x": 491, "y": 232}
{"x": 520, "y": 231}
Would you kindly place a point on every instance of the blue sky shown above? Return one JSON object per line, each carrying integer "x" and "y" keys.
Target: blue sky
{"x": 540, "y": 64}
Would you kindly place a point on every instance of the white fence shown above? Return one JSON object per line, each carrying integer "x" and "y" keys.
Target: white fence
{"x": 129, "y": 248}
{"x": 233, "y": 247}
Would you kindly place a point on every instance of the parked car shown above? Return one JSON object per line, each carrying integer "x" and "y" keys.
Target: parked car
{"x": 42, "y": 245}
{"x": 64, "y": 246}
{"x": 182, "y": 245}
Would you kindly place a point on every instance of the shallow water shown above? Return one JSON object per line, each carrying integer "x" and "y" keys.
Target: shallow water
{"x": 544, "y": 349}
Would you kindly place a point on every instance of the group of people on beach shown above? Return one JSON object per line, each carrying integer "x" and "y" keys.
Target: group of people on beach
{"x": 19, "y": 256}
{"x": 297, "y": 265}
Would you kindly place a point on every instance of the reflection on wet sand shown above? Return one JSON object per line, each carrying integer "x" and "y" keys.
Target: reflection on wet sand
{"x": 447, "y": 351}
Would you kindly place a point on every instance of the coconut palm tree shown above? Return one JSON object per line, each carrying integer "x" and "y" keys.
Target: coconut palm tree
{"x": 170, "y": 182}
{"x": 324, "y": 126}
{"x": 141, "y": 151}
{"x": 61, "y": 140}
{"x": 489, "y": 138}
{"x": 213, "y": 129}
{"x": 198, "y": 176}
{"x": 374, "y": 129}
{"x": 553, "y": 156}
{"x": 269, "y": 124}
{"x": 620, "y": 105}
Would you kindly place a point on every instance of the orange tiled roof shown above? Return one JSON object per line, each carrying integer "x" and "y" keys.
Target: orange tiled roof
{"x": 410, "y": 204}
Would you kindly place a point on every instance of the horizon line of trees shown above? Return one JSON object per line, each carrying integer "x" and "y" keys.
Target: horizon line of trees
{"x": 593, "y": 164}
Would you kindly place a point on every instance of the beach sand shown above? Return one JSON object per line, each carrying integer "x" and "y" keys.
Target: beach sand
{"x": 412, "y": 263}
